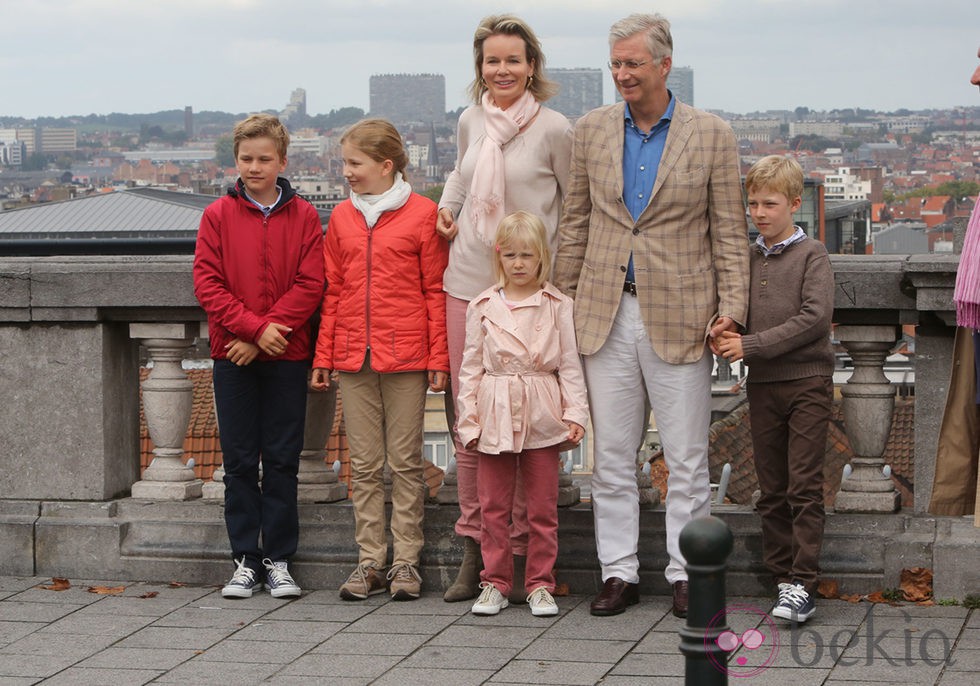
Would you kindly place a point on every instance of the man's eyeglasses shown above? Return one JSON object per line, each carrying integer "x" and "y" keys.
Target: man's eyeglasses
{"x": 631, "y": 65}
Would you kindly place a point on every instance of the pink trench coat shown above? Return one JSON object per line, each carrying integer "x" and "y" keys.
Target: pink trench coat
{"x": 521, "y": 379}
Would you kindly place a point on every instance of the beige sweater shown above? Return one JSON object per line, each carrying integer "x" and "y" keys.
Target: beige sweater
{"x": 536, "y": 162}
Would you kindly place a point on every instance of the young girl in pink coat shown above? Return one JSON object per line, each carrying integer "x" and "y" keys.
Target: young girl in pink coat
{"x": 522, "y": 399}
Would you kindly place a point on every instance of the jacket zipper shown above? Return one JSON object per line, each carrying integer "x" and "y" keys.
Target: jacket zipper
{"x": 367, "y": 290}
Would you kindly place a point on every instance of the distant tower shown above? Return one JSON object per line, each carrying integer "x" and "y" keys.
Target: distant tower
{"x": 405, "y": 98}
{"x": 580, "y": 90}
{"x": 680, "y": 81}
{"x": 189, "y": 121}
{"x": 295, "y": 112}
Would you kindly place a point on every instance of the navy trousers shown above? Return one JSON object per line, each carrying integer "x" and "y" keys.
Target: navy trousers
{"x": 261, "y": 410}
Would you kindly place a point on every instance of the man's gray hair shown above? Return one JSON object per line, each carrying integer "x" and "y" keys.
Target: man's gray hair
{"x": 655, "y": 26}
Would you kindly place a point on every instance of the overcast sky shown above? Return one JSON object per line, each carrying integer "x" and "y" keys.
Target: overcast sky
{"x": 67, "y": 57}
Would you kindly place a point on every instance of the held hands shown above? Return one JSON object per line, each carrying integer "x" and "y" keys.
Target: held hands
{"x": 437, "y": 381}
{"x": 729, "y": 346}
{"x": 575, "y": 432}
{"x": 721, "y": 324}
{"x": 241, "y": 353}
{"x": 320, "y": 379}
{"x": 273, "y": 340}
{"x": 446, "y": 225}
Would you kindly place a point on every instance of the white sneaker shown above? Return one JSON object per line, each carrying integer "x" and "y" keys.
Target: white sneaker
{"x": 243, "y": 582}
{"x": 490, "y": 602}
{"x": 541, "y": 602}
{"x": 278, "y": 580}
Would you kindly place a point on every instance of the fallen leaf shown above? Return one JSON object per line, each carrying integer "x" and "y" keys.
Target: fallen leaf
{"x": 58, "y": 583}
{"x": 150, "y": 594}
{"x": 106, "y": 590}
{"x": 561, "y": 589}
{"x": 177, "y": 584}
{"x": 926, "y": 603}
{"x": 916, "y": 584}
{"x": 829, "y": 588}
{"x": 853, "y": 598}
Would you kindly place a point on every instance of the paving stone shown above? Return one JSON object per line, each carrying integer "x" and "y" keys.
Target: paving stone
{"x": 916, "y": 673}
{"x": 964, "y": 661}
{"x": 77, "y": 594}
{"x": 614, "y": 680}
{"x": 354, "y": 643}
{"x": 11, "y": 631}
{"x": 403, "y": 676}
{"x": 407, "y": 624}
{"x": 139, "y": 658}
{"x": 174, "y": 637}
{"x": 33, "y": 665}
{"x": 285, "y": 680}
{"x": 209, "y": 617}
{"x": 575, "y": 650}
{"x": 632, "y": 625}
{"x": 81, "y": 676}
{"x": 957, "y": 679}
{"x": 98, "y": 625}
{"x": 425, "y": 606}
{"x": 327, "y": 665}
{"x": 16, "y": 611}
{"x": 233, "y": 650}
{"x": 650, "y": 665}
{"x": 282, "y": 630}
{"x": 666, "y": 642}
{"x": 452, "y": 657}
{"x": 16, "y": 584}
{"x": 541, "y": 672}
{"x": 76, "y": 646}
{"x": 775, "y": 676}
{"x": 202, "y": 673}
{"x": 322, "y": 612}
{"x": 478, "y": 636}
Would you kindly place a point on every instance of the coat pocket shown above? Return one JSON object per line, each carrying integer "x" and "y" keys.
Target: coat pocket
{"x": 408, "y": 347}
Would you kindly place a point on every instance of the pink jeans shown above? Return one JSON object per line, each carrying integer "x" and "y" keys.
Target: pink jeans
{"x": 466, "y": 460}
{"x": 538, "y": 469}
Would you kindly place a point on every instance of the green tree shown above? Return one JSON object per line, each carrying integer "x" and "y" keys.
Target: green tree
{"x": 224, "y": 151}
{"x": 433, "y": 193}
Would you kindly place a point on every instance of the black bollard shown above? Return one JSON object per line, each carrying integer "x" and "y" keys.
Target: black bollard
{"x": 706, "y": 544}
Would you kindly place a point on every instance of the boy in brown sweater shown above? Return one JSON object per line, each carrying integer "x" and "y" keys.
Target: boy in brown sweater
{"x": 790, "y": 383}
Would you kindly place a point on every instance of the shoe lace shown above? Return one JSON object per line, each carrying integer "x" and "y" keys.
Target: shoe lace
{"x": 793, "y": 595}
{"x": 403, "y": 572}
{"x": 540, "y": 596}
{"x": 278, "y": 572}
{"x": 488, "y": 594}
{"x": 244, "y": 575}
{"x": 360, "y": 574}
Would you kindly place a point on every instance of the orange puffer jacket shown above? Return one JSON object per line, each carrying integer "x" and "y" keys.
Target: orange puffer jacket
{"x": 384, "y": 289}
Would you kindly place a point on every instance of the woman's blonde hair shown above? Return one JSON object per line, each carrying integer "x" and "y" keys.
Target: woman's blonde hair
{"x": 379, "y": 140}
{"x": 540, "y": 86}
{"x": 522, "y": 228}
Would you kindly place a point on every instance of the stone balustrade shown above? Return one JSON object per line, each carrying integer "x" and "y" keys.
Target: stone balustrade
{"x": 72, "y": 329}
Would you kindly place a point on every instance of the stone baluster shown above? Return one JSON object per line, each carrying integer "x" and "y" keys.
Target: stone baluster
{"x": 869, "y": 401}
{"x": 449, "y": 491}
{"x": 168, "y": 396}
{"x": 569, "y": 493}
{"x": 317, "y": 482}
{"x": 215, "y": 488}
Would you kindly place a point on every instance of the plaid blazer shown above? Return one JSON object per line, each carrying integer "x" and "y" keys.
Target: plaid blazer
{"x": 690, "y": 244}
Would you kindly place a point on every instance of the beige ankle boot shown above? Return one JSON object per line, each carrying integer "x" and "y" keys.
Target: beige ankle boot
{"x": 467, "y": 583}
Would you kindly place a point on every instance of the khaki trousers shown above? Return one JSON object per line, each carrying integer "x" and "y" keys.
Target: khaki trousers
{"x": 384, "y": 416}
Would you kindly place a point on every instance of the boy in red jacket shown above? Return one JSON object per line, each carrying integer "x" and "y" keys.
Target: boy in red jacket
{"x": 259, "y": 276}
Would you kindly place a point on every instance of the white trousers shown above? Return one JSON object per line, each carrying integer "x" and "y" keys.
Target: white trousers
{"x": 618, "y": 375}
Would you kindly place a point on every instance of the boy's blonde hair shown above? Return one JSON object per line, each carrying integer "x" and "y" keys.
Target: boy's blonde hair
{"x": 379, "y": 140}
{"x": 540, "y": 86}
{"x": 259, "y": 125}
{"x": 776, "y": 173}
{"x": 527, "y": 228}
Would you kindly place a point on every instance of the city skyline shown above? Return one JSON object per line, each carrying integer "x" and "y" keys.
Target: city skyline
{"x": 68, "y": 58}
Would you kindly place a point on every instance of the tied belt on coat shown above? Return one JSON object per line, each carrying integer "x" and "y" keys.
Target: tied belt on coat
{"x": 511, "y": 410}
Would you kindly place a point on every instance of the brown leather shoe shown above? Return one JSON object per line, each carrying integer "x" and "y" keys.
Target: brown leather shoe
{"x": 680, "y": 599}
{"x": 614, "y": 597}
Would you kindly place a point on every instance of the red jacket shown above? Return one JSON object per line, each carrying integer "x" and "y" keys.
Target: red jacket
{"x": 251, "y": 270}
{"x": 384, "y": 288}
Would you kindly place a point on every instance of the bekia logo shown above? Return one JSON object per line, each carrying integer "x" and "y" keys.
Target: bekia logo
{"x": 743, "y": 641}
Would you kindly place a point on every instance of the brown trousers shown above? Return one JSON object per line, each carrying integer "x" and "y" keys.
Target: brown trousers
{"x": 790, "y": 420}
{"x": 955, "y": 487}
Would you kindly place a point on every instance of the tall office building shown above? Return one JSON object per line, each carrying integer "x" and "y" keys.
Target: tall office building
{"x": 404, "y": 98}
{"x": 680, "y": 81}
{"x": 295, "y": 112}
{"x": 580, "y": 90}
{"x": 189, "y": 121}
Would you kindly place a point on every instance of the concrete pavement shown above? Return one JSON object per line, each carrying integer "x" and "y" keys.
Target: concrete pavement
{"x": 162, "y": 634}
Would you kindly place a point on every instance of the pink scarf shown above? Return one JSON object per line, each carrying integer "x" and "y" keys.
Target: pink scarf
{"x": 487, "y": 186}
{"x": 967, "y": 293}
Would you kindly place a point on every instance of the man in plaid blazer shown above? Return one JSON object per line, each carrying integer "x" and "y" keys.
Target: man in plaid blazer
{"x": 653, "y": 248}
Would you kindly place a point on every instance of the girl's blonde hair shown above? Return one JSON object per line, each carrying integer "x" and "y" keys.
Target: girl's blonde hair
{"x": 379, "y": 140}
{"x": 522, "y": 228}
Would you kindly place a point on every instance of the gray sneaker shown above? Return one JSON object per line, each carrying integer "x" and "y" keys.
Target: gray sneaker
{"x": 278, "y": 580}
{"x": 243, "y": 582}
{"x": 364, "y": 581}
